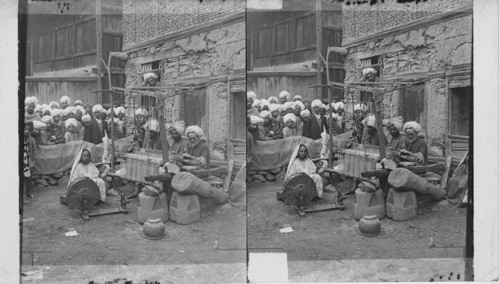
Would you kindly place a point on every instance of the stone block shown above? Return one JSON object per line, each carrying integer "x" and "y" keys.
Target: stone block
{"x": 401, "y": 205}
{"x": 184, "y": 209}
{"x": 151, "y": 207}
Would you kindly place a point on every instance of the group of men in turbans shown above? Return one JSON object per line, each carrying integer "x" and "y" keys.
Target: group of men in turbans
{"x": 273, "y": 118}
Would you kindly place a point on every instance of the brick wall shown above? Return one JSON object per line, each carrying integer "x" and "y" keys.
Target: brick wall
{"x": 365, "y": 19}
{"x": 149, "y": 19}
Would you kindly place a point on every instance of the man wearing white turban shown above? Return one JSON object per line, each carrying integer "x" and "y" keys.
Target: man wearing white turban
{"x": 65, "y": 101}
{"x": 397, "y": 141}
{"x": 54, "y": 105}
{"x": 139, "y": 130}
{"x": 273, "y": 100}
{"x": 284, "y": 96}
{"x": 371, "y": 132}
{"x": 38, "y": 128}
{"x": 152, "y": 135}
{"x": 291, "y": 128}
{"x": 416, "y": 148}
{"x": 264, "y": 104}
{"x": 45, "y": 132}
{"x": 274, "y": 110}
{"x": 369, "y": 75}
{"x": 358, "y": 126}
{"x": 316, "y": 124}
{"x": 304, "y": 115}
{"x": 297, "y": 98}
{"x": 29, "y": 106}
{"x": 78, "y": 103}
{"x": 180, "y": 145}
{"x": 71, "y": 133}
{"x": 95, "y": 129}
{"x": 56, "y": 130}
{"x": 150, "y": 79}
{"x": 198, "y": 153}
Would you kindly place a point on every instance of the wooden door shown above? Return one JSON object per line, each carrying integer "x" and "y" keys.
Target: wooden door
{"x": 461, "y": 110}
{"x": 194, "y": 109}
{"x": 238, "y": 133}
{"x": 412, "y": 106}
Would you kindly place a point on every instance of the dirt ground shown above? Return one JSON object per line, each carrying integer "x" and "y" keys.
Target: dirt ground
{"x": 219, "y": 237}
{"x": 438, "y": 231}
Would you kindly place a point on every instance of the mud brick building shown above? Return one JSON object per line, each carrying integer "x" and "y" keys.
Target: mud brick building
{"x": 198, "y": 47}
{"x": 65, "y": 41}
{"x": 284, "y": 46}
{"x": 412, "y": 42}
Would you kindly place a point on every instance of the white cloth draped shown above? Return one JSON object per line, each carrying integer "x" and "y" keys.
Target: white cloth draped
{"x": 296, "y": 165}
{"x": 79, "y": 170}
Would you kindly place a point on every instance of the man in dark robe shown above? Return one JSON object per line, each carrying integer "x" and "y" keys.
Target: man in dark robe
{"x": 314, "y": 125}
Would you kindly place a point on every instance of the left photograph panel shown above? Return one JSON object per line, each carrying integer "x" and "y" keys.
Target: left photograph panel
{"x": 134, "y": 141}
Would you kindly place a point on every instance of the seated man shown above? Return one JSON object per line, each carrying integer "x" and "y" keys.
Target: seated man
{"x": 416, "y": 147}
{"x": 301, "y": 163}
{"x": 291, "y": 128}
{"x": 397, "y": 141}
{"x": 83, "y": 167}
{"x": 198, "y": 153}
{"x": 180, "y": 146}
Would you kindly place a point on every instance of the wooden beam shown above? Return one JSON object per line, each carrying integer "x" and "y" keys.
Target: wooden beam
{"x": 60, "y": 79}
{"x": 282, "y": 74}
{"x": 319, "y": 47}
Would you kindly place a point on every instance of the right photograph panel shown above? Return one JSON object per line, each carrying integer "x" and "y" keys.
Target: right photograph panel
{"x": 358, "y": 126}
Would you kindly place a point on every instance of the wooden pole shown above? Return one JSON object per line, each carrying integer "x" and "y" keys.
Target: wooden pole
{"x": 163, "y": 132}
{"x": 112, "y": 116}
{"x": 98, "y": 28}
{"x": 380, "y": 130}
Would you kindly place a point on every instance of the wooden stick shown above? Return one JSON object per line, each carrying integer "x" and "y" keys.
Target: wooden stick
{"x": 436, "y": 168}
{"x": 444, "y": 179}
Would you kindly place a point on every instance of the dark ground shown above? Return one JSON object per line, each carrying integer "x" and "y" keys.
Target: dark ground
{"x": 438, "y": 231}
{"x": 219, "y": 237}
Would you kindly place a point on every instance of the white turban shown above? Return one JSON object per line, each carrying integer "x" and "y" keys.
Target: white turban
{"x": 56, "y": 104}
{"x": 152, "y": 125}
{"x": 297, "y": 97}
{"x": 370, "y": 70}
{"x": 264, "y": 102}
{"x": 179, "y": 126}
{"x": 86, "y": 118}
{"x": 56, "y": 112}
{"x": 251, "y": 95}
{"x": 78, "y": 102}
{"x": 47, "y": 119}
{"x": 81, "y": 109}
{"x": 97, "y": 108}
{"x": 340, "y": 105}
{"x": 150, "y": 75}
{"x": 289, "y": 116}
{"x": 45, "y": 107}
{"x": 316, "y": 103}
{"x": 30, "y": 100}
{"x": 141, "y": 111}
{"x": 66, "y": 111}
{"x": 256, "y": 102}
{"x": 71, "y": 121}
{"x": 274, "y": 107}
{"x": 288, "y": 105}
{"x": 255, "y": 119}
{"x": 412, "y": 125}
{"x": 300, "y": 104}
{"x": 119, "y": 110}
{"x": 263, "y": 114}
{"x": 371, "y": 121}
{"x": 273, "y": 99}
{"x": 335, "y": 116}
{"x": 325, "y": 107}
{"x": 39, "y": 125}
{"x": 397, "y": 122}
{"x": 361, "y": 107}
{"x": 194, "y": 129}
{"x": 38, "y": 108}
{"x": 105, "y": 111}
{"x": 305, "y": 113}
{"x": 284, "y": 94}
{"x": 65, "y": 99}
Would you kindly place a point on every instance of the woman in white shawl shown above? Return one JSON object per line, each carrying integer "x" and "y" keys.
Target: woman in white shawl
{"x": 301, "y": 163}
{"x": 83, "y": 167}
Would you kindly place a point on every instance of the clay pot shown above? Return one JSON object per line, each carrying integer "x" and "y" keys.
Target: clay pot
{"x": 153, "y": 229}
{"x": 369, "y": 226}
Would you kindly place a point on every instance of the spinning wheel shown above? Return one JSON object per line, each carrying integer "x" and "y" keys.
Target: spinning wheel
{"x": 83, "y": 194}
{"x": 299, "y": 190}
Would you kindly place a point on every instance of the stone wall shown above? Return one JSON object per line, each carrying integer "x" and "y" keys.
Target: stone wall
{"x": 361, "y": 20}
{"x": 210, "y": 53}
{"x": 441, "y": 46}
